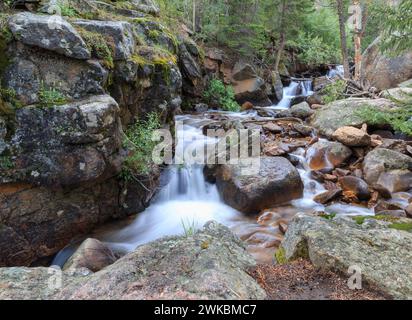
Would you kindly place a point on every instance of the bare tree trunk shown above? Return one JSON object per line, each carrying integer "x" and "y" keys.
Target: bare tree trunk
{"x": 282, "y": 36}
{"x": 343, "y": 38}
{"x": 194, "y": 16}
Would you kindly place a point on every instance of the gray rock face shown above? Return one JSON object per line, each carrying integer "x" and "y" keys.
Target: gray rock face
{"x": 51, "y": 33}
{"x": 147, "y": 6}
{"x": 70, "y": 144}
{"x": 383, "y": 254}
{"x": 380, "y": 163}
{"x": 342, "y": 113}
{"x": 211, "y": 264}
{"x": 384, "y": 72}
{"x": 403, "y": 94}
{"x": 119, "y": 34}
{"x": 3, "y": 132}
{"x": 277, "y": 182}
{"x": 243, "y": 71}
{"x": 301, "y": 110}
{"x": 30, "y": 68}
{"x": 251, "y": 90}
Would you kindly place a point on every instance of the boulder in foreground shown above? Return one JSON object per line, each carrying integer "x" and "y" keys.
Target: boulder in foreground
{"x": 381, "y": 251}
{"x": 211, "y": 264}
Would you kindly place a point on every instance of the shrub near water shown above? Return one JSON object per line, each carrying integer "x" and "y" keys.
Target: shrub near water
{"x": 138, "y": 141}
{"x": 217, "y": 94}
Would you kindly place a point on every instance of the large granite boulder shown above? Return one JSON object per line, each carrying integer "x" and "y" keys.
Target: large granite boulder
{"x": 342, "y": 113}
{"x": 31, "y": 70}
{"x": 385, "y": 72}
{"x": 389, "y": 168}
{"x": 376, "y": 249}
{"x": 402, "y": 94}
{"x": 118, "y": 33}
{"x": 211, "y": 264}
{"x": 51, "y": 33}
{"x": 70, "y": 144}
{"x": 275, "y": 182}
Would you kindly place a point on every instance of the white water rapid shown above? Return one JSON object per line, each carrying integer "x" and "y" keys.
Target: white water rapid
{"x": 188, "y": 201}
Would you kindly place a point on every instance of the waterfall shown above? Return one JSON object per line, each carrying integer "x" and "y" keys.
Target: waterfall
{"x": 336, "y": 71}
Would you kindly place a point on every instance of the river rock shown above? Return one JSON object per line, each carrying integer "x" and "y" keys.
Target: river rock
{"x": 211, "y": 264}
{"x": 327, "y": 155}
{"x": 408, "y": 211}
{"x": 276, "y": 181}
{"x": 383, "y": 72}
{"x": 304, "y": 130}
{"x": 342, "y": 113}
{"x": 118, "y": 33}
{"x": 382, "y": 254}
{"x": 355, "y": 185}
{"x": 48, "y": 33}
{"x": 328, "y": 196}
{"x": 301, "y": 110}
{"x": 92, "y": 254}
{"x": 396, "y": 180}
{"x": 391, "y": 165}
{"x": 352, "y": 137}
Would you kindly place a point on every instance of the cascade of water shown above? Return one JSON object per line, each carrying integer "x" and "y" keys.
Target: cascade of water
{"x": 336, "y": 71}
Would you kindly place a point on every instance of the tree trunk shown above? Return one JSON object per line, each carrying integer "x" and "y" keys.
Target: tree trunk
{"x": 282, "y": 36}
{"x": 343, "y": 39}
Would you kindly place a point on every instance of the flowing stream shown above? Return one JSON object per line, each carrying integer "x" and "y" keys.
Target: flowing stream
{"x": 187, "y": 201}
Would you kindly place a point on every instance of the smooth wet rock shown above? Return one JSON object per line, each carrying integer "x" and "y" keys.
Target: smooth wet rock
{"x": 408, "y": 211}
{"x": 355, "y": 185}
{"x": 352, "y": 137}
{"x": 301, "y": 110}
{"x": 118, "y": 33}
{"x": 92, "y": 254}
{"x": 275, "y": 181}
{"x": 381, "y": 162}
{"x": 328, "y": 196}
{"x": 211, "y": 264}
{"x": 304, "y": 130}
{"x": 50, "y": 33}
{"x": 382, "y": 254}
{"x": 335, "y": 115}
{"x": 396, "y": 180}
{"x": 327, "y": 154}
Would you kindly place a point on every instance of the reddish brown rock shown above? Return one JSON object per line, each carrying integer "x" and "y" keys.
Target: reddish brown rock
{"x": 328, "y": 196}
{"x": 352, "y": 137}
{"x": 356, "y": 185}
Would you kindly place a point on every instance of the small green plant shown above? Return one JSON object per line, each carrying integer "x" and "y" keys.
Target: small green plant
{"x": 402, "y": 226}
{"x": 333, "y": 91}
{"x": 280, "y": 256}
{"x": 138, "y": 141}
{"x": 99, "y": 46}
{"x": 68, "y": 11}
{"x": 49, "y": 97}
{"x": 221, "y": 96}
{"x": 189, "y": 228}
{"x": 6, "y": 163}
{"x": 328, "y": 216}
{"x": 398, "y": 118}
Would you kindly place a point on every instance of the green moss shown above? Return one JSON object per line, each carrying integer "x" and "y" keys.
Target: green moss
{"x": 101, "y": 47}
{"x": 140, "y": 61}
{"x": 280, "y": 256}
{"x": 49, "y": 97}
{"x": 402, "y": 226}
{"x": 154, "y": 34}
{"x": 361, "y": 219}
